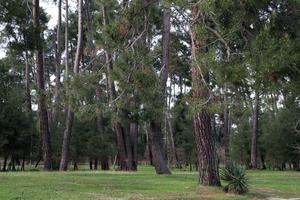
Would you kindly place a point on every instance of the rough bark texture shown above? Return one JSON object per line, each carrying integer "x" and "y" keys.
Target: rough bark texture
{"x": 41, "y": 97}
{"x": 70, "y": 116}
{"x": 255, "y": 113}
{"x": 206, "y": 154}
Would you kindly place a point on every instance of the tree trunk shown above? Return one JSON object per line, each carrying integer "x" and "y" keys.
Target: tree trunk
{"x": 27, "y": 77}
{"x": 99, "y": 113}
{"x": 67, "y": 40}
{"x": 254, "y": 133}
{"x": 96, "y": 164}
{"x": 173, "y": 157}
{"x": 158, "y": 153}
{"x": 68, "y": 131}
{"x": 41, "y": 97}
{"x": 148, "y": 145}
{"x": 205, "y": 141}
{"x": 226, "y": 132}
{"x": 165, "y": 50}
{"x": 133, "y": 142}
{"x": 91, "y": 164}
{"x": 122, "y": 131}
{"x": 4, "y": 164}
{"x": 104, "y": 163}
{"x": 57, "y": 68}
{"x": 66, "y": 141}
{"x": 75, "y": 166}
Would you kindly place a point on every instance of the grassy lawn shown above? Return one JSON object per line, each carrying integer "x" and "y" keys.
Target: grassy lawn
{"x": 144, "y": 184}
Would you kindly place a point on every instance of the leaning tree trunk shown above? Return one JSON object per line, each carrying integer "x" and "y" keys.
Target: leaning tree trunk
{"x": 70, "y": 116}
{"x": 254, "y": 134}
{"x": 205, "y": 141}
{"x": 41, "y": 97}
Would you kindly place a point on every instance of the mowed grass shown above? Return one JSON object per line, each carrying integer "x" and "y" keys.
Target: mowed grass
{"x": 144, "y": 184}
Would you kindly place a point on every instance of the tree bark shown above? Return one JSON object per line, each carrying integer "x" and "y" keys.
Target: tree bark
{"x": 226, "y": 131}
{"x": 122, "y": 131}
{"x": 41, "y": 97}
{"x": 158, "y": 153}
{"x": 104, "y": 163}
{"x": 4, "y": 164}
{"x": 70, "y": 116}
{"x": 165, "y": 50}
{"x": 205, "y": 141}
{"x": 27, "y": 78}
{"x": 57, "y": 68}
{"x": 96, "y": 164}
{"x": 254, "y": 133}
{"x": 133, "y": 142}
{"x": 99, "y": 113}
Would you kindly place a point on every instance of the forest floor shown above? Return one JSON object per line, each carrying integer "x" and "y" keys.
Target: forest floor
{"x": 141, "y": 185}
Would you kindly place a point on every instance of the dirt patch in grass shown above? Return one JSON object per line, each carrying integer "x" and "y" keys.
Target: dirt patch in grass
{"x": 268, "y": 190}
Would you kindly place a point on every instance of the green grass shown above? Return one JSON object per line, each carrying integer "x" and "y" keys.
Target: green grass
{"x": 144, "y": 184}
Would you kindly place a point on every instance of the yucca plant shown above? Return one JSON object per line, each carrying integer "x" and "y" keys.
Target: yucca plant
{"x": 235, "y": 177}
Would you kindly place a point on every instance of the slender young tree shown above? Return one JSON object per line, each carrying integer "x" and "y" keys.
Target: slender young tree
{"x": 254, "y": 132}
{"x": 70, "y": 115}
{"x": 57, "y": 67}
{"x": 205, "y": 141}
{"x": 41, "y": 96}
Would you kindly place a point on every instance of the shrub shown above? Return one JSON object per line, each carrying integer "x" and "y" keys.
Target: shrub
{"x": 235, "y": 177}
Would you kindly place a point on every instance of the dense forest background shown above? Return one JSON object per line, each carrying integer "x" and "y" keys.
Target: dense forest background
{"x": 169, "y": 83}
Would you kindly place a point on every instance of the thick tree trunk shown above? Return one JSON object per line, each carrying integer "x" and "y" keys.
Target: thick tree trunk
{"x": 41, "y": 97}
{"x": 68, "y": 131}
{"x": 254, "y": 133}
{"x": 158, "y": 153}
{"x": 205, "y": 141}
